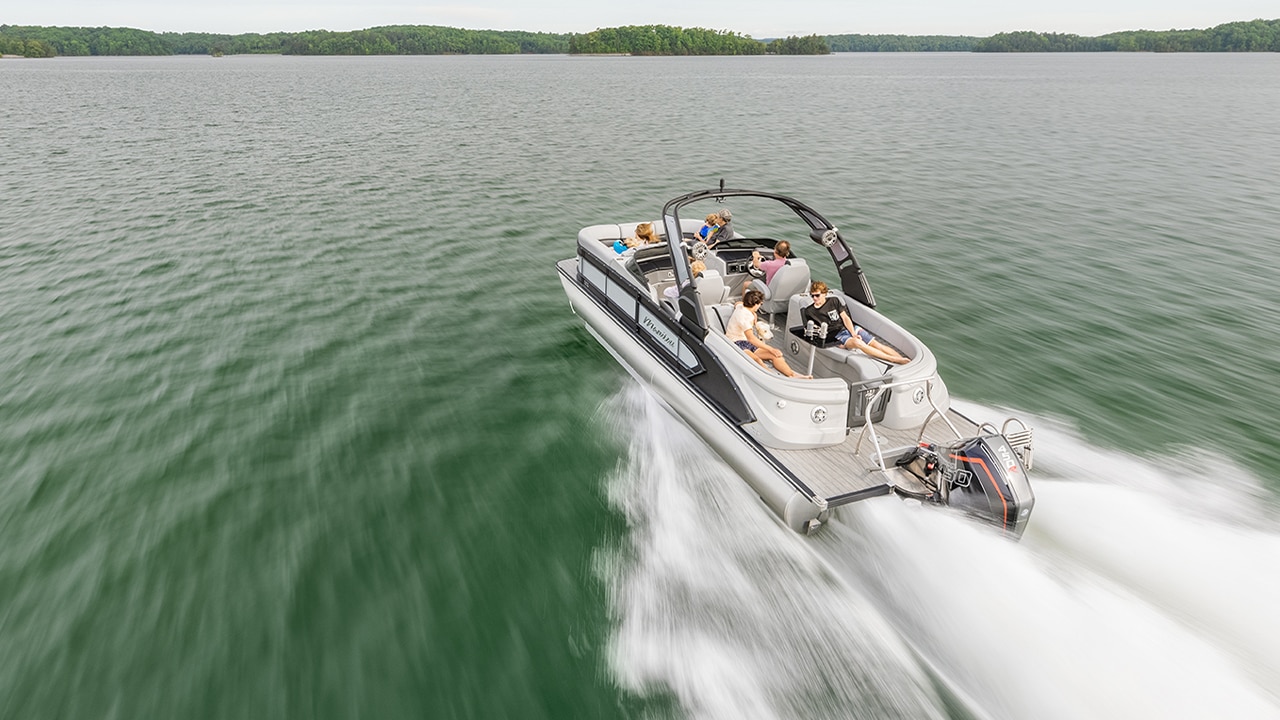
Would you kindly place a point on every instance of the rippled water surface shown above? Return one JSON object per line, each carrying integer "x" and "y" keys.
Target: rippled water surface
{"x": 295, "y": 420}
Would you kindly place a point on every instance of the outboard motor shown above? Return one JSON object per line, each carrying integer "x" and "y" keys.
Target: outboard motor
{"x": 985, "y": 477}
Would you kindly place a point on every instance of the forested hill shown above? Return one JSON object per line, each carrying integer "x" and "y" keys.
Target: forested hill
{"x": 391, "y": 40}
{"x": 396, "y": 40}
{"x": 664, "y": 40}
{"x": 1252, "y": 36}
{"x": 35, "y": 41}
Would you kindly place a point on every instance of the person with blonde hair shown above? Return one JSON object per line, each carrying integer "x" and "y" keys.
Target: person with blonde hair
{"x": 696, "y": 268}
{"x": 709, "y": 228}
{"x": 644, "y": 235}
{"x": 832, "y": 311}
{"x": 742, "y": 330}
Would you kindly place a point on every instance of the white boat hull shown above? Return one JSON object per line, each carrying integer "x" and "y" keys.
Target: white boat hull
{"x": 734, "y": 446}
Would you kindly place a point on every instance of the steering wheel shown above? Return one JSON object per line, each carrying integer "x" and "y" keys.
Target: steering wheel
{"x": 699, "y": 250}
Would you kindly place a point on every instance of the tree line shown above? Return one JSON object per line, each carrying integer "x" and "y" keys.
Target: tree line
{"x": 663, "y": 40}
{"x": 807, "y": 45}
{"x": 1252, "y": 36}
{"x": 901, "y": 43}
{"x": 36, "y": 41}
{"x": 33, "y": 41}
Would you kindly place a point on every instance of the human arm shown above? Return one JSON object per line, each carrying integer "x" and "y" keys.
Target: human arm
{"x": 848, "y": 323}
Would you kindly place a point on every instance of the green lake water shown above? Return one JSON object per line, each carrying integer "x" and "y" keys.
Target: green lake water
{"x": 296, "y": 422}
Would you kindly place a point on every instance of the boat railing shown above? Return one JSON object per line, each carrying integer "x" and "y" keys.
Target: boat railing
{"x": 1020, "y": 440}
{"x": 880, "y": 390}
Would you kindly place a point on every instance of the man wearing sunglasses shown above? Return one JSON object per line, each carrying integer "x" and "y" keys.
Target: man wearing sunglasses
{"x": 832, "y": 311}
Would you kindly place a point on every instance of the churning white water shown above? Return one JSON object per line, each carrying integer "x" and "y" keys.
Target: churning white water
{"x": 1138, "y": 591}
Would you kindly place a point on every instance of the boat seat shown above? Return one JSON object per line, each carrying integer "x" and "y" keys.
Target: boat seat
{"x": 790, "y": 280}
{"x": 714, "y": 262}
{"x": 851, "y": 365}
{"x": 626, "y": 230}
{"x": 718, "y": 317}
{"x": 711, "y": 287}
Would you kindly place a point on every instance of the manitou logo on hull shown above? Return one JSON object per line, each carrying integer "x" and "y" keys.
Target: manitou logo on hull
{"x": 660, "y": 332}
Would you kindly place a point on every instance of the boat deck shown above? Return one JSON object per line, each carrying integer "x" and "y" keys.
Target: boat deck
{"x": 847, "y": 472}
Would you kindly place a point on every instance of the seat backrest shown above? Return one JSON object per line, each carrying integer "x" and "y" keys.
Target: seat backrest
{"x": 714, "y": 262}
{"x": 626, "y": 230}
{"x": 796, "y": 304}
{"x": 711, "y": 287}
{"x": 791, "y": 279}
{"x": 718, "y": 317}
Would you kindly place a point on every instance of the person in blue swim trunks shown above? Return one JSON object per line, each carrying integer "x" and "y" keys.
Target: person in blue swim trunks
{"x": 832, "y": 311}
{"x": 743, "y": 329}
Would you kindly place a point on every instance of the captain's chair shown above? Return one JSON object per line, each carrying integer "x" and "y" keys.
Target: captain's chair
{"x": 791, "y": 279}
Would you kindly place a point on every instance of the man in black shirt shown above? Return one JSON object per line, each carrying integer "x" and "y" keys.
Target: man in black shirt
{"x": 832, "y": 311}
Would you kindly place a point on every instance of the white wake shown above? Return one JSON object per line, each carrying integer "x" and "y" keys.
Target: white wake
{"x": 1138, "y": 591}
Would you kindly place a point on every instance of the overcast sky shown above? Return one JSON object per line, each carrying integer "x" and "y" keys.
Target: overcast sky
{"x": 756, "y": 18}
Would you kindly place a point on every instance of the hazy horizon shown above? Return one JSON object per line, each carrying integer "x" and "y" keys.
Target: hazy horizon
{"x": 755, "y": 19}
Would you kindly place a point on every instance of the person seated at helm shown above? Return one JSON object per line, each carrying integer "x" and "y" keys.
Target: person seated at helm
{"x": 645, "y": 235}
{"x": 832, "y": 311}
{"x": 781, "y": 252}
{"x": 725, "y": 230}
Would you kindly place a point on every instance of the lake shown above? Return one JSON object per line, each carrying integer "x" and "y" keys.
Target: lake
{"x": 297, "y": 421}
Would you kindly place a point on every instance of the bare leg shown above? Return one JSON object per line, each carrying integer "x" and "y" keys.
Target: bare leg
{"x": 891, "y": 354}
{"x": 877, "y": 350}
{"x": 775, "y": 357}
{"x": 755, "y": 356}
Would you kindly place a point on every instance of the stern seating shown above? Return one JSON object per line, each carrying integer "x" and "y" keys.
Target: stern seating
{"x": 848, "y": 364}
{"x": 626, "y": 230}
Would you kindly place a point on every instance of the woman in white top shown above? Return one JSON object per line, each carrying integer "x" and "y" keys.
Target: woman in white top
{"x": 741, "y": 329}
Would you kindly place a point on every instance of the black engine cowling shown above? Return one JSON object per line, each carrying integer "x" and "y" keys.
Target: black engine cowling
{"x": 985, "y": 477}
{"x": 981, "y": 475}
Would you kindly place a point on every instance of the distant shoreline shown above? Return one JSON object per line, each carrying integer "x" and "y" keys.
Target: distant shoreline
{"x": 42, "y": 41}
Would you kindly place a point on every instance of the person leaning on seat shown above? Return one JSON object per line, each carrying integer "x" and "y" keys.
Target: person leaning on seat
{"x": 781, "y": 253}
{"x": 831, "y": 310}
{"x": 645, "y": 235}
{"x": 741, "y": 329}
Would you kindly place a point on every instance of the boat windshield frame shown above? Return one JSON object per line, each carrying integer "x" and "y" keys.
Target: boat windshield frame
{"x": 821, "y": 231}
